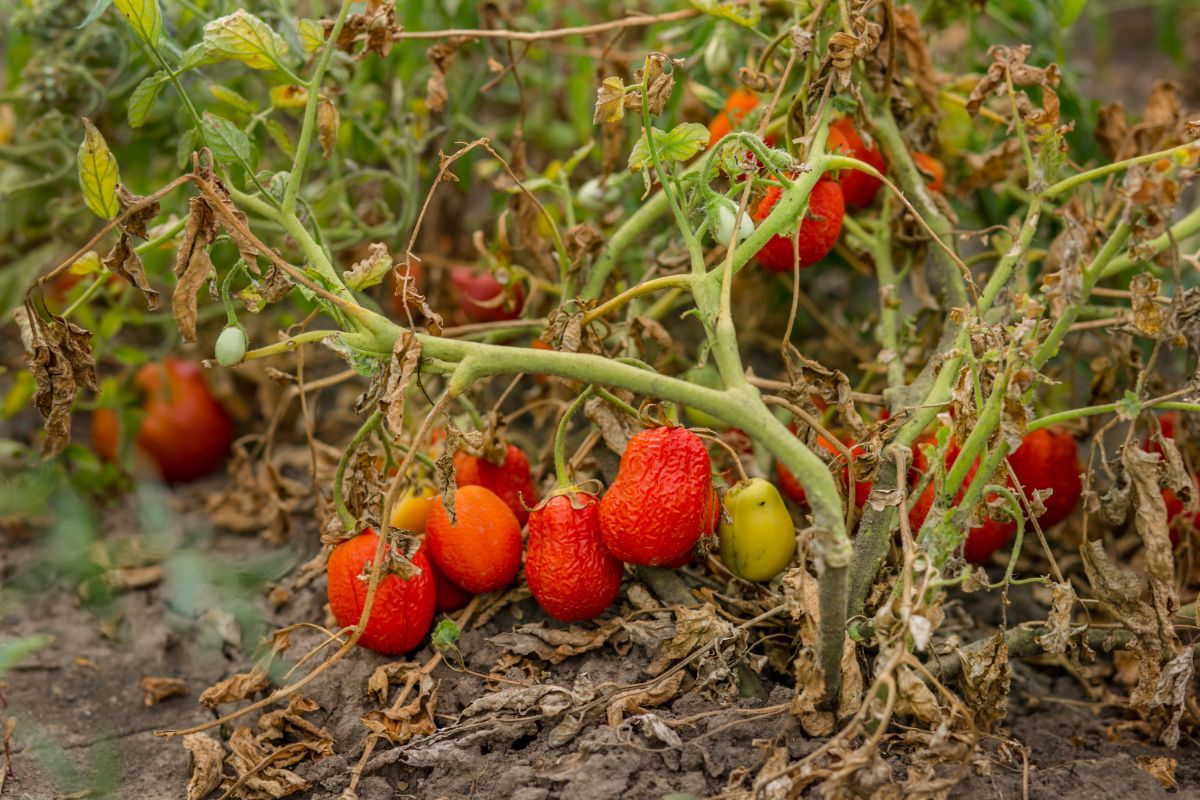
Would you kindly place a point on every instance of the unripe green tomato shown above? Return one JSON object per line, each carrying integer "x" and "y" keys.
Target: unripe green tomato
{"x": 231, "y": 346}
{"x": 717, "y": 55}
{"x": 760, "y": 541}
{"x": 595, "y": 196}
{"x": 726, "y": 214}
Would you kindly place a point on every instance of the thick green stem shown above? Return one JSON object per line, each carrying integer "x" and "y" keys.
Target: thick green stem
{"x": 560, "y": 439}
{"x": 1107, "y": 408}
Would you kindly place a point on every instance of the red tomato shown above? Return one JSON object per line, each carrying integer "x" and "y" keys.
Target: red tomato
{"x": 932, "y": 169}
{"x": 482, "y": 298}
{"x": 858, "y": 188}
{"x": 184, "y": 431}
{"x": 792, "y": 488}
{"x": 737, "y": 106}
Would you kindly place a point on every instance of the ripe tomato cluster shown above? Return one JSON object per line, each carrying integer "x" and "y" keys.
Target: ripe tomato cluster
{"x": 831, "y": 197}
{"x": 655, "y": 513}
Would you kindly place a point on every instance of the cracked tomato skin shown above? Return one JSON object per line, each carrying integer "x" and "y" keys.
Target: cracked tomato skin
{"x": 570, "y": 572}
{"x": 510, "y": 481}
{"x": 482, "y": 298}
{"x": 184, "y": 430}
{"x": 981, "y": 541}
{"x": 1048, "y": 459}
{"x": 481, "y": 552}
{"x": 819, "y": 230}
{"x": 662, "y": 500}
{"x": 858, "y": 188}
{"x": 402, "y": 610}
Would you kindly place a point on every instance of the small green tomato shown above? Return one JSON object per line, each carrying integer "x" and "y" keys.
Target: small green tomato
{"x": 760, "y": 541}
{"x": 726, "y": 214}
{"x": 231, "y": 346}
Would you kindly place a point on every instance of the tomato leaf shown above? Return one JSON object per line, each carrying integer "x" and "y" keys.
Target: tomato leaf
{"x": 95, "y": 14}
{"x": 98, "y": 174}
{"x": 243, "y": 37}
{"x": 678, "y": 144}
{"x": 231, "y": 98}
{"x": 144, "y": 17}
{"x": 610, "y": 100}
{"x": 226, "y": 139}
{"x": 745, "y": 15}
{"x": 312, "y": 34}
{"x": 142, "y": 100}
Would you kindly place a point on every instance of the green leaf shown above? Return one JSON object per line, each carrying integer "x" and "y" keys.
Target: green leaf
{"x": 95, "y": 14}
{"x": 678, "y": 144}
{"x": 198, "y": 55}
{"x": 98, "y": 174}
{"x": 280, "y": 137}
{"x": 1071, "y": 9}
{"x": 187, "y": 143}
{"x": 142, "y": 100}
{"x": 745, "y": 15}
{"x": 144, "y": 17}
{"x": 312, "y": 34}
{"x": 231, "y": 98}
{"x": 445, "y": 635}
{"x": 244, "y": 37}
{"x": 227, "y": 141}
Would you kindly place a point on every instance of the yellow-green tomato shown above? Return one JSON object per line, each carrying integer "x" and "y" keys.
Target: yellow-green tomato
{"x": 760, "y": 541}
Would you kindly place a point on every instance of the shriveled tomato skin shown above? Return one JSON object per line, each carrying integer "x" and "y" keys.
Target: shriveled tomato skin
{"x": 662, "y": 500}
{"x": 819, "y": 230}
{"x": 571, "y": 573}
{"x": 402, "y": 611}
{"x": 511, "y": 481}
{"x": 184, "y": 430}
{"x": 481, "y": 551}
{"x": 858, "y": 188}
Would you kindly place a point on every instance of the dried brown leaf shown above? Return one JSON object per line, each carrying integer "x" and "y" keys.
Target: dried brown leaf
{"x": 328, "y": 122}
{"x": 1057, "y": 633}
{"x": 985, "y": 681}
{"x": 158, "y": 689}
{"x": 136, "y": 222}
{"x": 235, "y": 688}
{"x": 638, "y": 700}
{"x": 270, "y": 782}
{"x": 59, "y": 355}
{"x": 193, "y": 266}
{"x": 124, "y": 261}
{"x": 1162, "y": 769}
{"x": 556, "y": 644}
{"x": 206, "y": 757}
{"x": 406, "y": 357}
{"x": 416, "y": 718}
{"x": 440, "y": 56}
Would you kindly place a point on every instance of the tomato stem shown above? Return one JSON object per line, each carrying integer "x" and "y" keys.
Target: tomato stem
{"x": 560, "y": 439}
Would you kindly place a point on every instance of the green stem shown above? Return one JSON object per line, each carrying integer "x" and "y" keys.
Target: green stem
{"x": 308, "y": 128}
{"x": 1185, "y": 228}
{"x": 289, "y": 344}
{"x": 1107, "y": 408}
{"x": 560, "y": 439}
{"x": 1067, "y": 184}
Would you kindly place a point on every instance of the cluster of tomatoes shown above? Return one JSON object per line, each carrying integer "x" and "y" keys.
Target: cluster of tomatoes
{"x": 830, "y": 198}
{"x": 655, "y": 512}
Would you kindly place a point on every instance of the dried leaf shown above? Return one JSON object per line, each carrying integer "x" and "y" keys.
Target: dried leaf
{"x": 610, "y": 101}
{"x": 555, "y": 644}
{"x": 59, "y": 355}
{"x": 1147, "y": 314}
{"x": 158, "y": 689}
{"x": 411, "y": 720}
{"x": 328, "y": 122}
{"x": 543, "y": 698}
{"x": 385, "y": 675}
{"x": 235, "y": 688}
{"x": 1057, "y": 633}
{"x": 985, "y": 681}
{"x": 206, "y": 756}
{"x": 135, "y": 224}
{"x": 440, "y": 56}
{"x": 370, "y": 270}
{"x": 1162, "y": 769}
{"x": 272, "y": 781}
{"x": 193, "y": 266}
{"x": 635, "y": 702}
{"x": 124, "y": 261}
{"x": 406, "y": 357}
{"x": 914, "y": 698}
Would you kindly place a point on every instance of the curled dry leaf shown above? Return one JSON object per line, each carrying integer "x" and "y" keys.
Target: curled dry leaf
{"x": 193, "y": 266}
{"x": 270, "y": 782}
{"x": 207, "y": 755}
{"x": 414, "y": 719}
{"x": 440, "y": 56}
{"x": 637, "y": 701}
{"x": 123, "y": 260}
{"x": 554, "y": 644}
{"x": 328, "y": 122}
{"x": 1162, "y": 769}
{"x": 985, "y": 681}
{"x": 235, "y": 688}
{"x": 1055, "y": 637}
{"x": 385, "y": 675}
{"x": 370, "y": 270}
{"x": 59, "y": 355}
{"x": 406, "y": 357}
{"x": 158, "y": 689}
{"x": 1148, "y": 315}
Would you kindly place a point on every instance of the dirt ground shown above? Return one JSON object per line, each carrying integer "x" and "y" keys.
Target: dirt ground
{"x": 81, "y": 720}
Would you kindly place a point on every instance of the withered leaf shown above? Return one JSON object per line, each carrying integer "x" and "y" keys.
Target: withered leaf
{"x": 914, "y": 698}
{"x": 158, "y": 689}
{"x": 1162, "y": 769}
{"x": 695, "y": 627}
{"x": 235, "y": 688}
{"x": 371, "y": 270}
{"x": 1147, "y": 313}
{"x": 272, "y": 781}
{"x": 440, "y": 56}
{"x": 413, "y": 719}
{"x": 124, "y": 261}
{"x": 193, "y": 266}
{"x": 541, "y": 698}
{"x": 136, "y": 222}
{"x": 386, "y": 674}
{"x": 59, "y": 355}
{"x": 328, "y": 122}
{"x": 985, "y": 681}
{"x": 658, "y": 693}
{"x": 406, "y": 357}
{"x": 610, "y": 101}
{"x": 915, "y": 47}
{"x": 207, "y": 755}
{"x": 554, "y": 644}
{"x": 1057, "y": 633}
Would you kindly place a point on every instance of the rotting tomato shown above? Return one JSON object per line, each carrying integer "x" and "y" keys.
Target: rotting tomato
{"x": 482, "y": 298}
{"x": 571, "y": 573}
{"x": 184, "y": 430}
